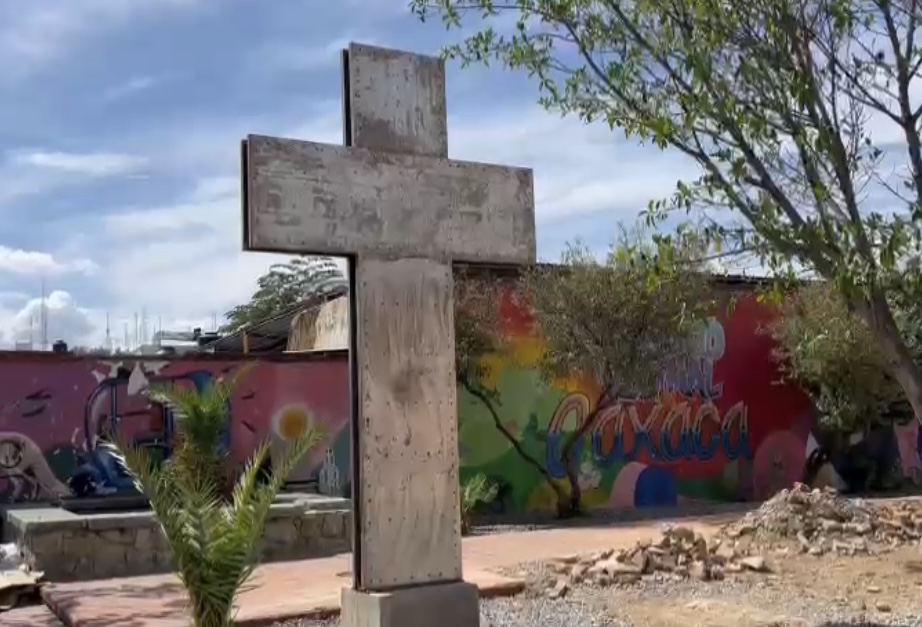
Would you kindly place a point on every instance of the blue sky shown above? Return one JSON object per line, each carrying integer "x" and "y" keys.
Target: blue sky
{"x": 119, "y": 130}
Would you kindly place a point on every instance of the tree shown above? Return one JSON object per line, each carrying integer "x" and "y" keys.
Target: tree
{"x": 802, "y": 117}
{"x": 476, "y": 336}
{"x": 214, "y": 540}
{"x": 286, "y": 285}
{"x": 625, "y": 321}
{"x": 831, "y": 353}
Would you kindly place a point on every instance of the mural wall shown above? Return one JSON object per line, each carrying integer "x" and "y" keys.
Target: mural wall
{"x": 720, "y": 428}
{"x": 55, "y": 408}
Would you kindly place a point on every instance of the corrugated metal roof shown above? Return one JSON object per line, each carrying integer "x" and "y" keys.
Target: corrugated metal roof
{"x": 271, "y": 335}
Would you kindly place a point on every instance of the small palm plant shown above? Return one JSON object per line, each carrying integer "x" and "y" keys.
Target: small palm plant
{"x": 214, "y": 533}
{"x": 477, "y": 490}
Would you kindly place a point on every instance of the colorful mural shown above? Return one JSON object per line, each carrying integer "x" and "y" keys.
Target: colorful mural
{"x": 721, "y": 427}
{"x": 55, "y": 408}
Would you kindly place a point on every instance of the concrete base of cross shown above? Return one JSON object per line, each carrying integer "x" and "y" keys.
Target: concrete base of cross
{"x": 455, "y": 604}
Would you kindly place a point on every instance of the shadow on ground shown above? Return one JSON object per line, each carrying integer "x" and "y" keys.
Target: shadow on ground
{"x": 713, "y": 513}
{"x": 116, "y": 604}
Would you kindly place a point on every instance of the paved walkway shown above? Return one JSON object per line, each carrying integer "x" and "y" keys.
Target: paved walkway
{"x": 288, "y": 590}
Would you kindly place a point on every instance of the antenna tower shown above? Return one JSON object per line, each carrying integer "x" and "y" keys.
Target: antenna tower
{"x": 43, "y": 319}
{"x": 108, "y": 345}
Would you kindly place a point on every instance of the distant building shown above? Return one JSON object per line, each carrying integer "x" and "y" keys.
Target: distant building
{"x": 318, "y": 324}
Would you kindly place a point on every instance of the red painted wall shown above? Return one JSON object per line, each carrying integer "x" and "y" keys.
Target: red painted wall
{"x": 725, "y": 430}
{"x": 52, "y": 407}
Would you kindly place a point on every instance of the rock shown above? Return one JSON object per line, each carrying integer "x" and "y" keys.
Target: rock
{"x": 682, "y": 533}
{"x": 873, "y": 589}
{"x": 857, "y": 528}
{"x": 724, "y": 553}
{"x": 643, "y": 561}
{"x": 831, "y": 525}
{"x": 567, "y": 559}
{"x": 560, "y": 589}
{"x": 626, "y": 578}
{"x": 755, "y": 563}
{"x": 560, "y": 567}
{"x": 614, "y": 567}
{"x": 668, "y": 562}
{"x": 578, "y": 571}
{"x": 699, "y": 570}
{"x": 883, "y": 607}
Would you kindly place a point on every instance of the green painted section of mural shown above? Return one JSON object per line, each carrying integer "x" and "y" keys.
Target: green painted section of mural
{"x": 485, "y": 449}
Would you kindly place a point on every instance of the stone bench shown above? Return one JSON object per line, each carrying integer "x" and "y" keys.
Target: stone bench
{"x": 77, "y": 547}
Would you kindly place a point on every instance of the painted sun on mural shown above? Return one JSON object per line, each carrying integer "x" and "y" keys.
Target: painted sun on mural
{"x": 49, "y": 436}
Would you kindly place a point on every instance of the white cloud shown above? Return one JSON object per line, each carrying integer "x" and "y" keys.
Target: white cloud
{"x": 35, "y": 34}
{"x": 133, "y": 86}
{"x": 90, "y": 164}
{"x": 579, "y": 169}
{"x": 30, "y": 262}
{"x": 26, "y": 173}
{"x": 65, "y": 320}
{"x": 193, "y": 266}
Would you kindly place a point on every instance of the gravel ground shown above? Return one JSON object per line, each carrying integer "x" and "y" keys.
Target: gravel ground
{"x": 807, "y": 592}
{"x": 519, "y": 612}
{"x": 667, "y": 604}
{"x": 883, "y": 591}
{"x": 745, "y": 601}
{"x": 586, "y": 612}
{"x": 737, "y": 603}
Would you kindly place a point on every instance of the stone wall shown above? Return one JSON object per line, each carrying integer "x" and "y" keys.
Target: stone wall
{"x": 131, "y": 544}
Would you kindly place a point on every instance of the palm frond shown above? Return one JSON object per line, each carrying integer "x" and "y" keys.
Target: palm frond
{"x": 215, "y": 542}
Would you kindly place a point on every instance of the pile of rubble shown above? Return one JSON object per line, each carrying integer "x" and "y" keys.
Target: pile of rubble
{"x": 801, "y": 519}
{"x": 17, "y": 581}
{"x": 680, "y": 553}
{"x": 821, "y": 521}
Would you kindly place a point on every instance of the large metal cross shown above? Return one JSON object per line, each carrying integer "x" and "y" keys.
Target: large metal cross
{"x": 392, "y": 201}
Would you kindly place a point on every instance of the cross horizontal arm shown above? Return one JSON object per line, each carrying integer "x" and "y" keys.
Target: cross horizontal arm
{"x": 310, "y": 198}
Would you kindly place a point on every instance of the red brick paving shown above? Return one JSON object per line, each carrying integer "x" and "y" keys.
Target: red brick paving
{"x": 288, "y": 590}
{"x": 36, "y": 616}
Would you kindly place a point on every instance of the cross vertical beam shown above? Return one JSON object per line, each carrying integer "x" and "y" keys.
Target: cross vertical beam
{"x": 408, "y": 474}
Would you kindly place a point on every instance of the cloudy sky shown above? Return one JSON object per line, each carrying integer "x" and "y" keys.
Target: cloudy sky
{"x": 119, "y": 130}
